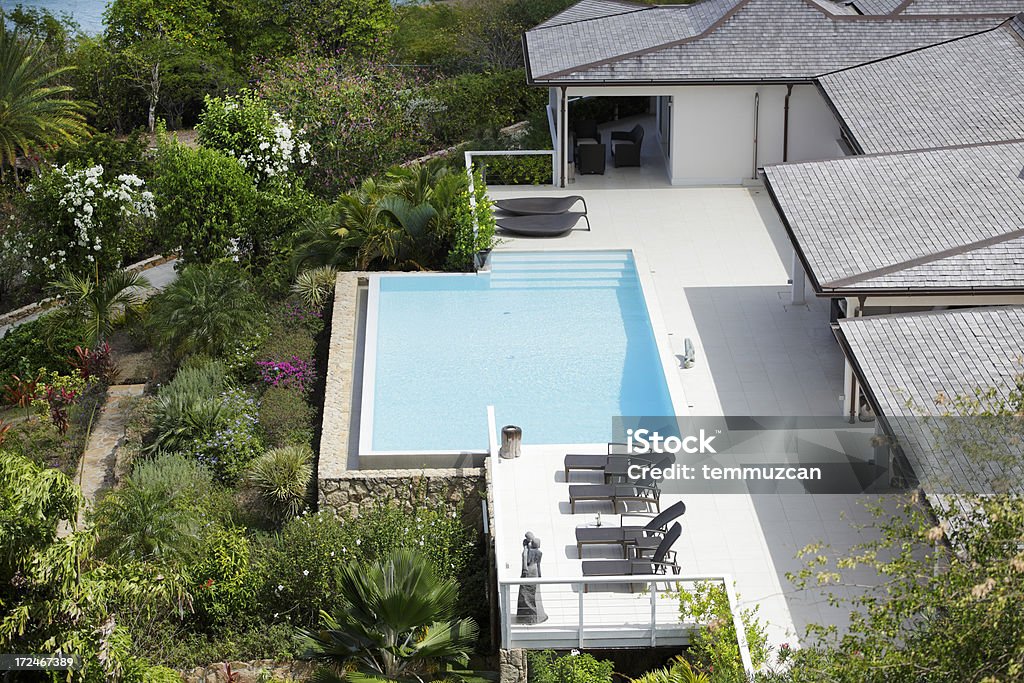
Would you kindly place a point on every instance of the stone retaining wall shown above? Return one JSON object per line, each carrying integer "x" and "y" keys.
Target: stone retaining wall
{"x": 249, "y": 672}
{"x": 338, "y": 393}
{"x": 354, "y": 490}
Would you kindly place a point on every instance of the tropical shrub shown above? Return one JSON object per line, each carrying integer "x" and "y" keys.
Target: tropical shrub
{"x": 204, "y": 201}
{"x": 547, "y": 667}
{"x": 315, "y": 287}
{"x": 294, "y": 373}
{"x": 281, "y": 477}
{"x": 473, "y": 227}
{"x": 715, "y": 646}
{"x": 246, "y": 129}
{"x": 472, "y": 105}
{"x": 205, "y": 310}
{"x": 286, "y": 418}
{"x": 678, "y": 671}
{"x": 227, "y": 579}
{"x": 356, "y": 115}
{"x": 139, "y": 523}
{"x": 118, "y": 155}
{"x": 516, "y": 169}
{"x": 82, "y": 220}
{"x": 36, "y": 344}
{"x": 396, "y": 621}
{"x": 96, "y": 304}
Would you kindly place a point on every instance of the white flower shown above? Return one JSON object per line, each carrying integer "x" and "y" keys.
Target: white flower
{"x": 305, "y": 572}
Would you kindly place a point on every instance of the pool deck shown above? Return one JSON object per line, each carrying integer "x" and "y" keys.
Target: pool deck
{"x": 719, "y": 261}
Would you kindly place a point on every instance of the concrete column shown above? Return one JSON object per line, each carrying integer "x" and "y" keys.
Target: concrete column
{"x": 799, "y": 281}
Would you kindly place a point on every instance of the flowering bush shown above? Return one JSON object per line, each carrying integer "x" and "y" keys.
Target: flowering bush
{"x": 294, "y": 373}
{"x": 80, "y": 219}
{"x": 232, "y": 441}
{"x": 262, "y": 141}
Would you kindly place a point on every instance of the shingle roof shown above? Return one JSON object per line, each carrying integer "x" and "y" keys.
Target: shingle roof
{"x": 961, "y": 7}
{"x": 729, "y": 40}
{"x": 877, "y": 6}
{"x": 591, "y": 9}
{"x": 909, "y": 362}
{"x": 966, "y": 91}
{"x": 924, "y": 221}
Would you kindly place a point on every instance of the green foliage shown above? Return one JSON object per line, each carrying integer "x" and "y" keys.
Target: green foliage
{"x": 474, "y": 105}
{"x": 315, "y": 286}
{"x": 117, "y": 155}
{"x": 139, "y": 523}
{"x": 281, "y": 476}
{"x": 37, "y": 110}
{"x": 516, "y": 169}
{"x": 36, "y": 344}
{"x": 679, "y": 671}
{"x": 395, "y": 622}
{"x": 227, "y": 578}
{"x": 246, "y": 129}
{"x": 312, "y": 545}
{"x": 357, "y": 116}
{"x": 576, "y": 667}
{"x": 358, "y": 28}
{"x": 204, "y": 200}
{"x": 95, "y": 306}
{"x": 286, "y": 418}
{"x": 715, "y": 646}
{"x": 161, "y": 674}
{"x": 473, "y": 227}
{"x": 205, "y": 310}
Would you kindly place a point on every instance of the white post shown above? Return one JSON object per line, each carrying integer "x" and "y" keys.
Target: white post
{"x": 799, "y": 280}
{"x": 580, "y": 622}
{"x": 505, "y": 605}
{"x": 654, "y": 614}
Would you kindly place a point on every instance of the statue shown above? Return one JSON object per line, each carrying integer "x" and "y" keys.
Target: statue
{"x": 530, "y": 610}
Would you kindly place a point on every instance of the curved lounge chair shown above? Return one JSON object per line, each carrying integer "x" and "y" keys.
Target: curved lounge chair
{"x": 541, "y": 225}
{"x": 534, "y": 206}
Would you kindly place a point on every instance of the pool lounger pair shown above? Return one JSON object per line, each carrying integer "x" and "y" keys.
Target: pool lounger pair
{"x": 540, "y": 216}
{"x": 626, "y": 536}
{"x": 645, "y": 492}
{"x": 664, "y": 558}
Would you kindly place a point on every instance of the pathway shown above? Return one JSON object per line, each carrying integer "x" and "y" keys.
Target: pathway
{"x": 96, "y": 469}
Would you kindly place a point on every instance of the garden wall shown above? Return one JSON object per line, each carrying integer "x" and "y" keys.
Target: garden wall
{"x": 249, "y": 672}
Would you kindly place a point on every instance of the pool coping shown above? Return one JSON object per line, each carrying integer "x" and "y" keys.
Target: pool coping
{"x": 474, "y": 458}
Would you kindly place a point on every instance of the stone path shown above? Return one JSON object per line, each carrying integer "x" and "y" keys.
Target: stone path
{"x": 96, "y": 469}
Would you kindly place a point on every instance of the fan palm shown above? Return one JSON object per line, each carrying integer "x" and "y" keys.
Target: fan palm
{"x": 35, "y": 111}
{"x": 97, "y": 304}
{"x": 206, "y": 310}
{"x": 395, "y": 623}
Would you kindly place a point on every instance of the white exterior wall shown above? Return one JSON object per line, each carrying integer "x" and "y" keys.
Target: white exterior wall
{"x": 712, "y": 135}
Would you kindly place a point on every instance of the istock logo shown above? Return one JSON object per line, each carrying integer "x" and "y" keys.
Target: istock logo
{"x": 646, "y": 441}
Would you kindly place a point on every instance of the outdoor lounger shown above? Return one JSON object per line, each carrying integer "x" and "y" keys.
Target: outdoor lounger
{"x": 541, "y": 225}
{"x": 644, "y": 491}
{"x": 662, "y": 559}
{"x": 533, "y": 206}
{"x": 612, "y": 466}
{"x": 624, "y": 536}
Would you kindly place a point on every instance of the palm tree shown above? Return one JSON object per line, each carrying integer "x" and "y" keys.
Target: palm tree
{"x": 35, "y": 111}
{"x": 206, "y": 310}
{"x": 97, "y": 304}
{"x": 139, "y": 523}
{"x": 395, "y": 623}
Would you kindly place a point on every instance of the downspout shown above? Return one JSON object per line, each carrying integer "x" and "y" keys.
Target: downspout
{"x": 563, "y": 141}
{"x": 854, "y": 385}
{"x": 757, "y": 116}
{"x": 785, "y": 125}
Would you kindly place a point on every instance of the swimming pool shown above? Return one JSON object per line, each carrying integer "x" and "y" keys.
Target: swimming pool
{"x": 558, "y": 342}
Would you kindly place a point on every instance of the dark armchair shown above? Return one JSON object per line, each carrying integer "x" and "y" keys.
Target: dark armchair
{"x": 626, "y": 146}
{"x": 590, "y": 158}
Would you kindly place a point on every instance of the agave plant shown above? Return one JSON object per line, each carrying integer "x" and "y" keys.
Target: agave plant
{"x": 281, "y": 476}
{"x": 315, "y": 286}
{"x": 395, "y": 623}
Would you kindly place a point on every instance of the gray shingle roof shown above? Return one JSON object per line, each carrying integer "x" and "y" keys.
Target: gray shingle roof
{"x": 877, "y": 6}
{"x": 591, "y": 9}
{"x": 935, "y": 220}
{"x": 909, "y": 361}
{"x": 732, "y": 40}
{"x": 966, "y": 91}
{"x": 962, "y": 7}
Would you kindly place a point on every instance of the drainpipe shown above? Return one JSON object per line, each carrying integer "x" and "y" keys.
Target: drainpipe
{"x": 854, "y": 385}
{"x": 785, "y": 125}
{"x": 563, "y": 140}
{"x": 757, "y": 116}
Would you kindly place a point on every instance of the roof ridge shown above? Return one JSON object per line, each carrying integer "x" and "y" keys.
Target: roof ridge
{"x": 672, "y": 43}
{"x": 867, "y": 319}
{"x": 924, "y": 259}
{"x": 628, "y": 8}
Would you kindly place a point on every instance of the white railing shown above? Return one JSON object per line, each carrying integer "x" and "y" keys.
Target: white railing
{"x": 588, "y": 629}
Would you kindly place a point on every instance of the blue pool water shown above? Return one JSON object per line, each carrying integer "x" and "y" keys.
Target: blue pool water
{"x": 558, "y": 342}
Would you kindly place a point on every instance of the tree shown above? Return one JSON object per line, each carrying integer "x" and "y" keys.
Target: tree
{"x": 36, "y": 112}
{"x": 96, "y": 304}
{"x": 206, "y": 310}
{"x": 948, "y": 608}
{"x": 138, "y": 523}
{"x": 359, "y": 28}
{"x": 395, "y": 622}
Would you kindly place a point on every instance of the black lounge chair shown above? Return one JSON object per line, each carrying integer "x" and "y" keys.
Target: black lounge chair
{"x": 663, "y": 559}
{"x": 626, "y": 146}
{"x": 539, "y": 206}
{"x": 613, "y": 466}
{"x": 639, "y": 536}
{"x": 644, "y": 491}
{"x": 545, "y": 225}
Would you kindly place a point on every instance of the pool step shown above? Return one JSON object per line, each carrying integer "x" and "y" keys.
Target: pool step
{"x": 558, "y": 269}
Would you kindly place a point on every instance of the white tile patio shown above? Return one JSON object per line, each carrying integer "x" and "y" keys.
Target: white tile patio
{"x": 719, "y": 260}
